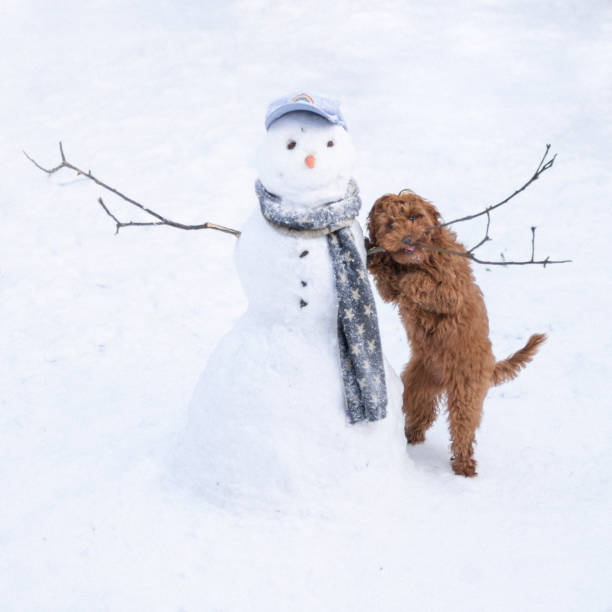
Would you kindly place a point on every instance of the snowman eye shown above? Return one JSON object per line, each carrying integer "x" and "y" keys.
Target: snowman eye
{"x": 330, "y": 143}
{"x": 291, "y": 144}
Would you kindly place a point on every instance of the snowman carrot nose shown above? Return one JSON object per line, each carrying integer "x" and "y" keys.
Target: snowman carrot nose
{"x": 310, "y": 161}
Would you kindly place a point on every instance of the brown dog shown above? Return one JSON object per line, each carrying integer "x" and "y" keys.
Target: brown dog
{"x": 445, "y": 318}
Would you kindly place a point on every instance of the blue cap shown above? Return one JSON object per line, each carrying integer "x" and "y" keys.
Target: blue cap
{"x": 324, "y": 107}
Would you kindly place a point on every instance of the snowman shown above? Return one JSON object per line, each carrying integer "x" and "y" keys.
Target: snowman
{"x": 298, "y": 394}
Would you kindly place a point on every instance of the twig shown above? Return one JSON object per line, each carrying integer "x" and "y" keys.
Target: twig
{"x": 542, "y": 167}
{"x": 486, "y": 237}
{"x": 119, "y": 224}
{"x": 469, "y": 255}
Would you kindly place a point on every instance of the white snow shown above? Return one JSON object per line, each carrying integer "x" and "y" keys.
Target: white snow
{"x": 104, "y": 336}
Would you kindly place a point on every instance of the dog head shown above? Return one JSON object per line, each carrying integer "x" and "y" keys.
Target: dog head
{"x": 399, "y": 223}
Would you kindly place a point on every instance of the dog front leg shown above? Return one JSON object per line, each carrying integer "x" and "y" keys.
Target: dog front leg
{"x": 439, "y": 297}
{"x": 385, "y": 275}
{"x": 431, "y": 294}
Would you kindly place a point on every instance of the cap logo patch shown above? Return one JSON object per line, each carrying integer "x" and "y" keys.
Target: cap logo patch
{"x": 303, "y": 98}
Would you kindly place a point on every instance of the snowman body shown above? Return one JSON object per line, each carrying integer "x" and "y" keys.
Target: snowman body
{"x": 267, "y": 418}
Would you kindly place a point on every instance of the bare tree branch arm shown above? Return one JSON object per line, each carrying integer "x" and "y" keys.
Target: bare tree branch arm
{"x": 469, "y": 255}
{"x": 544, "y": 165}
{"x": 119, "y": 224}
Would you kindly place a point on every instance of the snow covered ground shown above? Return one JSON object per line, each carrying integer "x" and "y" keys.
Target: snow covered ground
{"x": 104, "y": 336}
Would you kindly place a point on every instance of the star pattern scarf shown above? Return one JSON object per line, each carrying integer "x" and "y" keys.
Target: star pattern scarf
{"x": 361, "y": 356}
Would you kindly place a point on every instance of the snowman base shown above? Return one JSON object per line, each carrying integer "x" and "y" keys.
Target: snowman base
{"x": 269, "y": 445}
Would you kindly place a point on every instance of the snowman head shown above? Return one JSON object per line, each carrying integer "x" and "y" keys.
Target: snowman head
{"x": 305, "y": 159}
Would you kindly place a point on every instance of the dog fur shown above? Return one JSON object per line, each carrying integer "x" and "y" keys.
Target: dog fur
{"x": 445, "y": 318}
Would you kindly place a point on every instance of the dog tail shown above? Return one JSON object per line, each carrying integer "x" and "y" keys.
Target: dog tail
{"x": 509, "y": 368}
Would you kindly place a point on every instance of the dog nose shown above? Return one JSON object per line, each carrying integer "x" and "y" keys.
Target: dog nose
{"x": 407, "y": 240}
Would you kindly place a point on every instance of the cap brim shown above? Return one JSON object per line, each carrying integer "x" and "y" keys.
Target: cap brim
{"x": 297, "y": 106}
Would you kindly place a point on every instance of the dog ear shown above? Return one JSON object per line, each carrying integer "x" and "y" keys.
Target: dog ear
{"x": 375, "y": 210}
{"x": 371, "y": 239}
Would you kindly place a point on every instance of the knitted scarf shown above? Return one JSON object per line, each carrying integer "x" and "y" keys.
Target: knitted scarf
{"x": 361, "y": 356}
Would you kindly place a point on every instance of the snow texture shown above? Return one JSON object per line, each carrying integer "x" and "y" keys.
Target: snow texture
{"x": 104, "y": 337}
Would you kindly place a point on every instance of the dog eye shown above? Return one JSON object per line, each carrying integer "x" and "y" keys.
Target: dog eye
{"x": 411, "y": 218}
{"x": 390, "y": 225}
{"x": 330, "y": 143}
{"x": 291, "y": 144}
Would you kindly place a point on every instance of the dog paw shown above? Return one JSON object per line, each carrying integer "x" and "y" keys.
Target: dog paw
{"x": 414, "y": 436}
{"x": 464, "y": 466}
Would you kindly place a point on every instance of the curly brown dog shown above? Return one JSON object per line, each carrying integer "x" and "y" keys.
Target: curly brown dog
{"x": 444, "y": 314}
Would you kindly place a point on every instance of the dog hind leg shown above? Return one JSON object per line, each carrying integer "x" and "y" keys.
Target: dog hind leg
{"x": 464, "y": 414}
